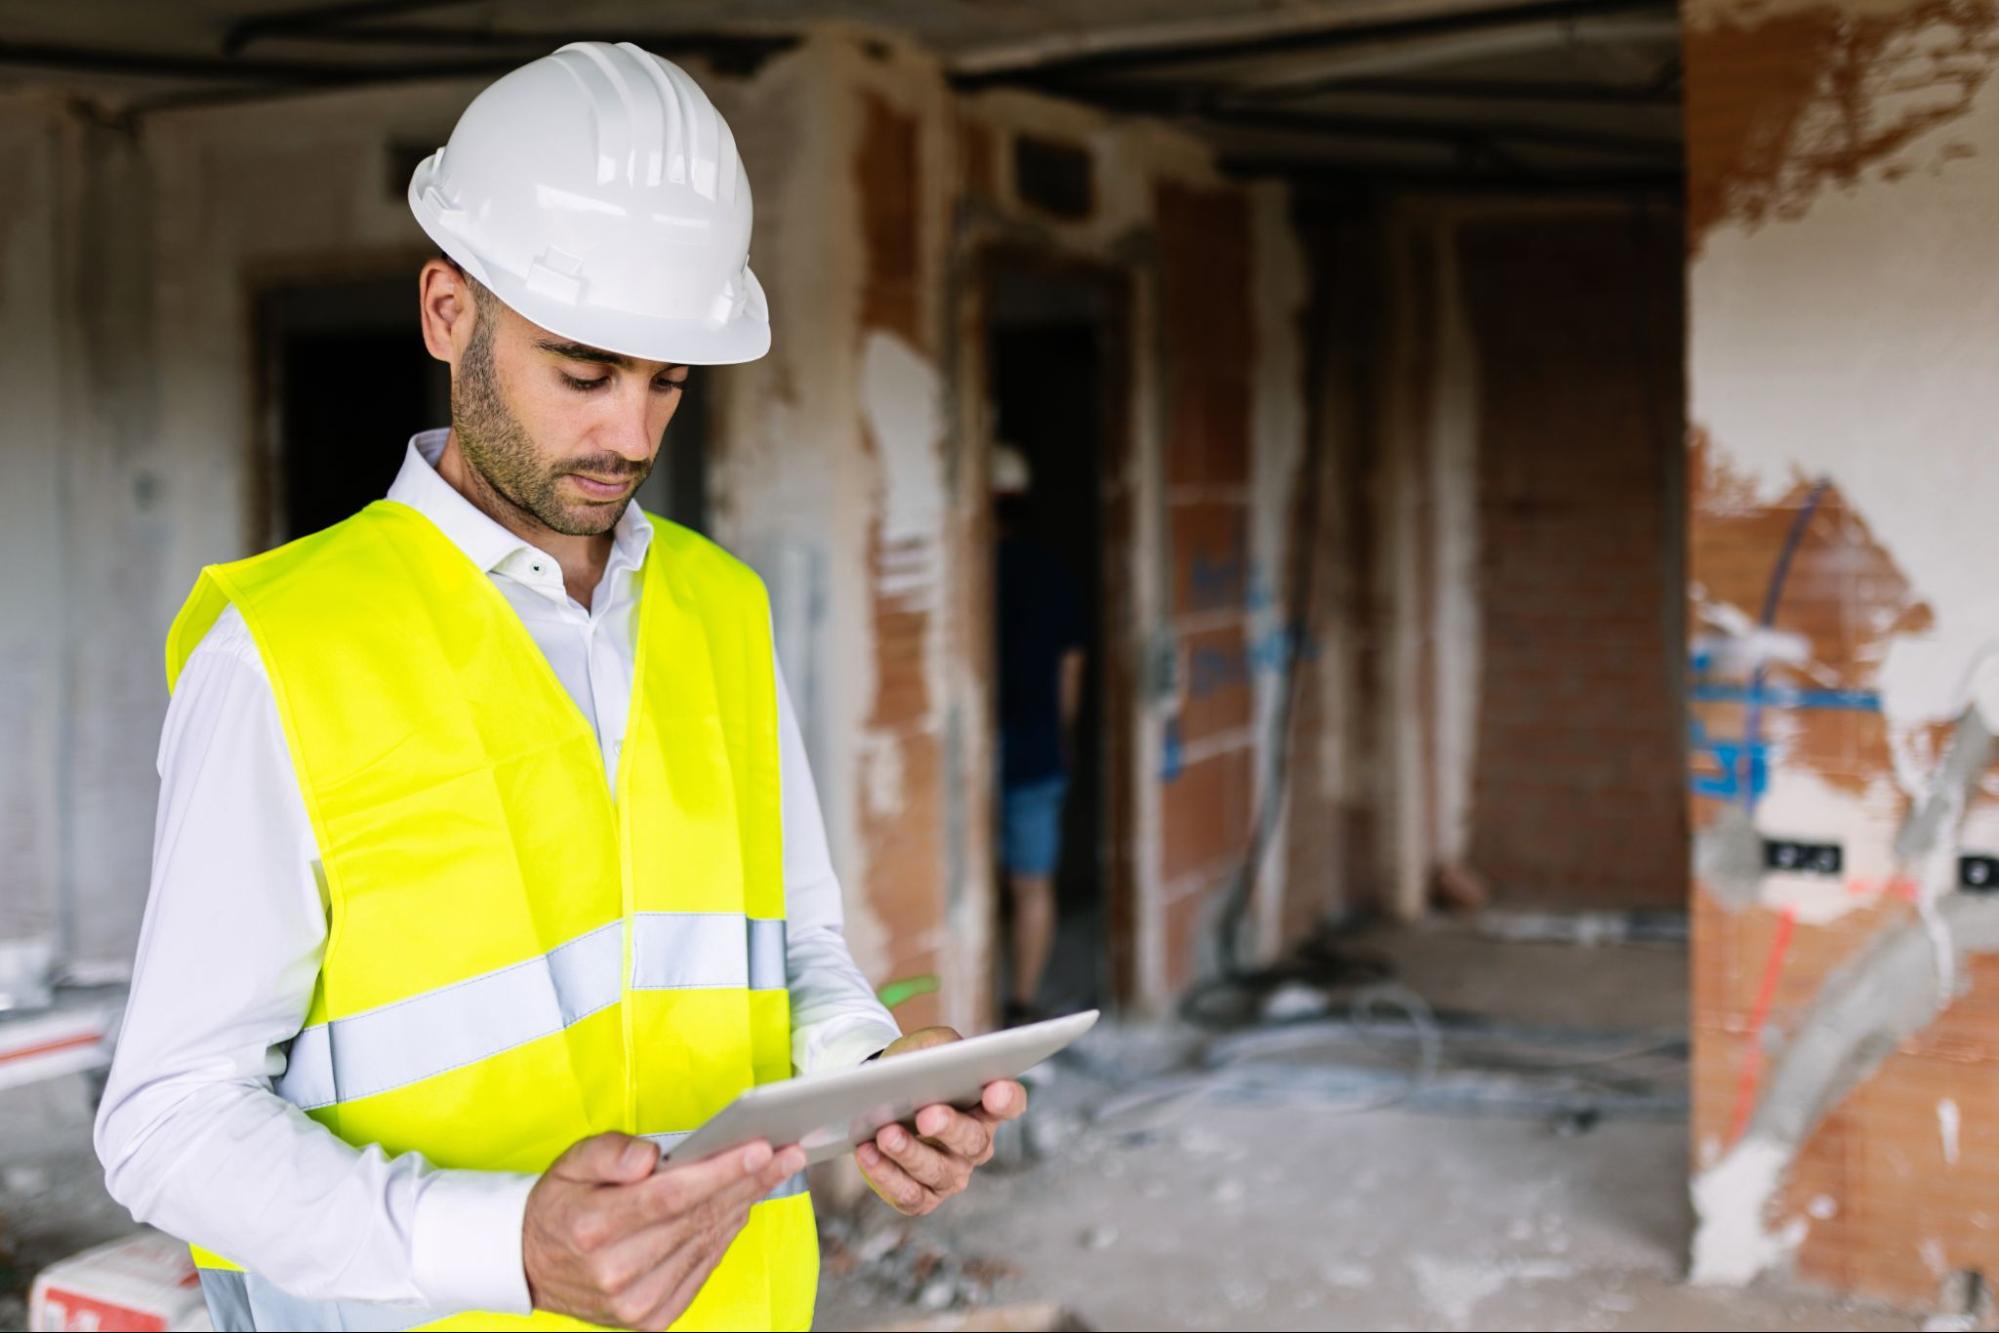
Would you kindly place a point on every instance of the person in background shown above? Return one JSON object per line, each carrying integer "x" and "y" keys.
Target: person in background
{"x": 1041, "y": 658}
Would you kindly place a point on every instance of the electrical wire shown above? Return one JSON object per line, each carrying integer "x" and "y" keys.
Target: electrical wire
{"x": 1459, "y": 1064}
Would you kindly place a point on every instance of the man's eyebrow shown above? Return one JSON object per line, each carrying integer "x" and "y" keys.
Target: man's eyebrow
{"x": 596, "y": 356}
{"x": 581, "y": 352}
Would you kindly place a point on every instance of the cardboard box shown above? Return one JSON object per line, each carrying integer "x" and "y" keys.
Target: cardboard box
{"x": 145, "y": 1282}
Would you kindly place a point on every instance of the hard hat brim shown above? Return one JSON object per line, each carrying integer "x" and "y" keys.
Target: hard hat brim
{"x": 682, "y": 342}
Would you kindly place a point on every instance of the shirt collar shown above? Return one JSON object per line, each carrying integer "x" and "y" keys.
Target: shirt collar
{"x": 480, "y": 536}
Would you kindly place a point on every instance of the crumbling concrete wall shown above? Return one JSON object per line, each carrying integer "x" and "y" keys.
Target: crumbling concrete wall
{"x": 35, "y": 791}
{"x": 89, "y": 512}
{"x": 1842, "y": 375}
{"x": 833, "y": 475}
{"x": 132, "y": 442}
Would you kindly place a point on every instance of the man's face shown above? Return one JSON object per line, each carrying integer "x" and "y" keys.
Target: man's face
{"x": 563, "y": 432}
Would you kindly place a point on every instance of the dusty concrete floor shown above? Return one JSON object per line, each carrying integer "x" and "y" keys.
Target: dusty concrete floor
{"x": 1267, "y": 1217}
{"x": 1198, "y": 1212}
{"x": 1216, "y": 1214}
{"x": 1635, "y": 987}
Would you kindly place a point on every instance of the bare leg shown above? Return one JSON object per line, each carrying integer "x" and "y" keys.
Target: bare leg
{"x": 1033, "y": 932}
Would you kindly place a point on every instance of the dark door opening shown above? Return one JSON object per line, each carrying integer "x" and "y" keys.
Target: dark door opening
{"x": 350, "y": 383}
{"x": 678, "y": 485}
{"x": 1048, "y": 384}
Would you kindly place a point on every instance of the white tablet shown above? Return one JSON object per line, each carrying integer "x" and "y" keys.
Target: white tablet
{"x": 829, "y": 1114}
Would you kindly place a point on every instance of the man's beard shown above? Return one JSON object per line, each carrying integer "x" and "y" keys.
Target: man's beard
{"x": 499, "y": 449}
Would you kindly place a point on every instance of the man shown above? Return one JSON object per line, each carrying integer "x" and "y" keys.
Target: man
{"x": 1041, "y": 637}
{"x": 487, "y": 861}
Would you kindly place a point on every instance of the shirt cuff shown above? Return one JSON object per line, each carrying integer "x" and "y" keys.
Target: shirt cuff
{"x": 466, "y": 1241}
{"x": 846, "y": 1042}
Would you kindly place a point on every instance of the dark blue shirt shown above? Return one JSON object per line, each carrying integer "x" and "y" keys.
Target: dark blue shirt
{"x": 1040, "y": 619}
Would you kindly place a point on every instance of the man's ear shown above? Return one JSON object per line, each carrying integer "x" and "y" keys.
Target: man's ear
{"x": 447, "y": 310}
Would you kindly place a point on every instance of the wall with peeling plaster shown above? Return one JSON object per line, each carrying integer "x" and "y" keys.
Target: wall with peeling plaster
{"x": 1843, "y": 377}
{"x": 833, "y": 474}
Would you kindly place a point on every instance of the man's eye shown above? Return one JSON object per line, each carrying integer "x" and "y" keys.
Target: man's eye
{"x": 585, "y": 386}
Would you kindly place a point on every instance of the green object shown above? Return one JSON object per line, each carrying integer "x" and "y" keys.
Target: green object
{"x": 896, "y": 992}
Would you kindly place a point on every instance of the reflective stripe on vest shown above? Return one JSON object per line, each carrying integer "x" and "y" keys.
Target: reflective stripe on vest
{"x": 414, "y": 1039}
{"x": 517, "y": 956}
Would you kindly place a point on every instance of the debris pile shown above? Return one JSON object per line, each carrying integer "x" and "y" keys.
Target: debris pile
{"x": 905, "y": 1268}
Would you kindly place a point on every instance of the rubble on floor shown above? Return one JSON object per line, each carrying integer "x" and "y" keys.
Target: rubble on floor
{"x": 901, "y": 1266}
{"x": 1504, "y": 1148}
{"x": 1041, "y": 1318}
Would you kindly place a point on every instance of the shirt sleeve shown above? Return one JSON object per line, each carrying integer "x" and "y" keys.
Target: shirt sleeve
{"x": 192, "y": 1137}
{"x": 836, "y": 1019}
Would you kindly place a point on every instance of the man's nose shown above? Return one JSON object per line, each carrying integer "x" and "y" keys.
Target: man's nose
{"x": 630, "y": 434}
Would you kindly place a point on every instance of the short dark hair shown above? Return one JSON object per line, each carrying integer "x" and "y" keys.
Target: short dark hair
{"x": 482, "y": 296}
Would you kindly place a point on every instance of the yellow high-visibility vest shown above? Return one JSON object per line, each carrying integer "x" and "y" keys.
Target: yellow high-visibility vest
{"x": 517, "y": 956}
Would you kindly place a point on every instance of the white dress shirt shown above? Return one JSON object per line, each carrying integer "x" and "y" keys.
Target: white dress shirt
{"x": 192, "y": 1137}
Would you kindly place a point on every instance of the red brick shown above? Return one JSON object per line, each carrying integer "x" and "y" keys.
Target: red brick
{"x": 1205, "y": 289}
{"x": 1577, "y": 794}
{"x": 1210, "y": 556}
{"x": 1204, "y": 814}
{"x": 1218, "y": 679}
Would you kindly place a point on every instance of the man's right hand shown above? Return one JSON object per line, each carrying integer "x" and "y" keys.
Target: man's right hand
{"x": 609, "y": 1240}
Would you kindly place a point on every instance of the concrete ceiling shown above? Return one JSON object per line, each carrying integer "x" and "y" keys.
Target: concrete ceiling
{"x": 1512, "y": 92}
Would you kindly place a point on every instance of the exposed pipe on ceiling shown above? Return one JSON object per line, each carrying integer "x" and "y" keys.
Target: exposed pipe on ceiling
{"x": 1056, "y": 64}
{"x": 315, "y": 19}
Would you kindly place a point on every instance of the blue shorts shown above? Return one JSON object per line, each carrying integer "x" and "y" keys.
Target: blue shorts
{"x": 1031, "y": 826}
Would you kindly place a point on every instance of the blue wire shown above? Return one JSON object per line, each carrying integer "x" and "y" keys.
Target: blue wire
{"x": 1773, "y": 596}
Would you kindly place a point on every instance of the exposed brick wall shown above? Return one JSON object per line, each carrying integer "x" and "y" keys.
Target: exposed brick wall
{"x": 1876, "y": 1165}
{"x": 1206, "y": 799}
{"x": 1836, "y": 200}
{"x": 1889, "y": 1206}
{"x": 1576, "y": 797}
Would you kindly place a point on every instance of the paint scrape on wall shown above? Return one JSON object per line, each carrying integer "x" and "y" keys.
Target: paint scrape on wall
{"x": 1809, "y": 98}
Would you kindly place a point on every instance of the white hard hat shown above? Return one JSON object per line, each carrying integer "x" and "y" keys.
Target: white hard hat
{"x": 1011, "y": 474}
{"x": 597, "y": 191}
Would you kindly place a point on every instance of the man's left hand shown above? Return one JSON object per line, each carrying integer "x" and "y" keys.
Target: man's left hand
{"x": 913, "y": 1173}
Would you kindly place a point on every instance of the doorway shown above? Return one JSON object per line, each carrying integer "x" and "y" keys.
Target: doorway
{"x": 348, "y": 382}
{"x": 1055, "y": 386}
